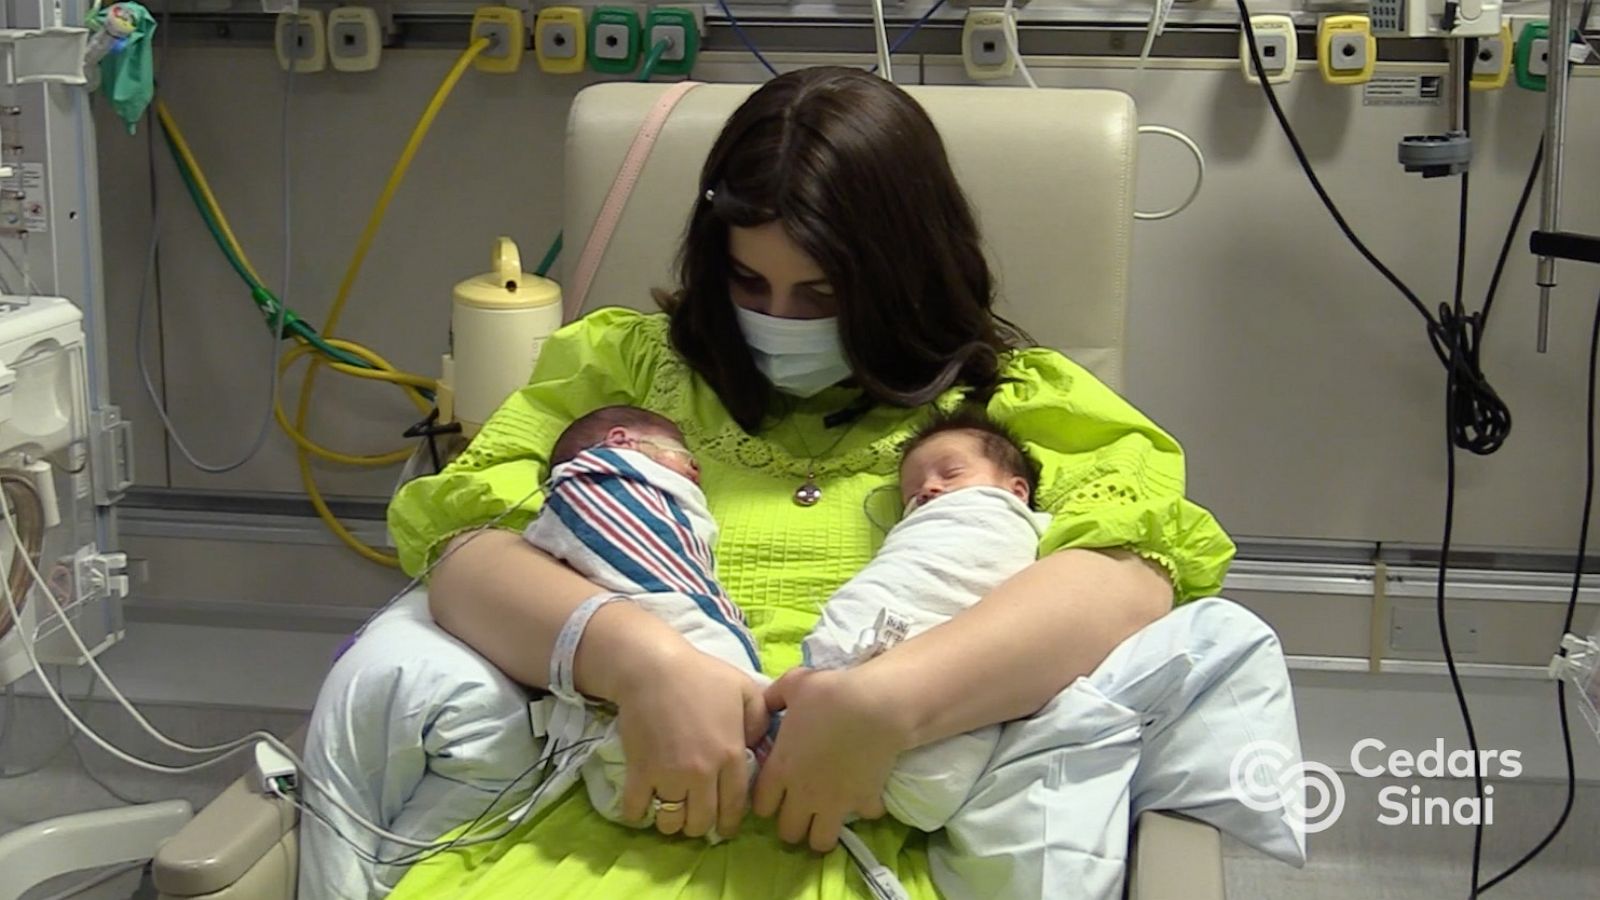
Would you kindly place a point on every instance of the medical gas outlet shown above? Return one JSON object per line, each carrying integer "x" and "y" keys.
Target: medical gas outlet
{"x": 1276, "y": 43}
{"x": 503, "y": 28}
{"x": 1346, "y": 50}
{"x": 559, "y": 41}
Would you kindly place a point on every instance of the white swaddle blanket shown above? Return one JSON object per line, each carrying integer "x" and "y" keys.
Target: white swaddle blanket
{"x": 940, "y": 560}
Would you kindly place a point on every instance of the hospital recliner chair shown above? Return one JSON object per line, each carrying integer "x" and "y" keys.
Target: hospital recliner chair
{"x": 1051, "y": 175}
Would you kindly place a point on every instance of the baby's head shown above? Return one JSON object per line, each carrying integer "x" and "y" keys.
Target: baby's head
{"x": 629, "y": 428}
{"x": 964, "y": 449}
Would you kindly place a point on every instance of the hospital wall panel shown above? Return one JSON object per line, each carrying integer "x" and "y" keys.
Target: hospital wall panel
{"x": 1299, "y": 382}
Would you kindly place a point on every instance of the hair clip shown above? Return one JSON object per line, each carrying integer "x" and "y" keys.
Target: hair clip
{"x": 711, "y": 195}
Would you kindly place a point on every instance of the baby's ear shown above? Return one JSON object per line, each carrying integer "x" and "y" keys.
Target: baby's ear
{"x": 1019, "y": 487}
{"x": 618, "y": 437}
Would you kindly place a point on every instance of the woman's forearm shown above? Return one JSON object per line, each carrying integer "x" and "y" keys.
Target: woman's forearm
{"x": 509, "y": 601}
{"x": 1021, "y": 645}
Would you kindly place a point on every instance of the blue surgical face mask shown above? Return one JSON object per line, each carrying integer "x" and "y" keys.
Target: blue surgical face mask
{"x": 799, "y": 356}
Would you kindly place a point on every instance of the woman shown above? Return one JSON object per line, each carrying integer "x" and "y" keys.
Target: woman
{"x": 833, "y": 292}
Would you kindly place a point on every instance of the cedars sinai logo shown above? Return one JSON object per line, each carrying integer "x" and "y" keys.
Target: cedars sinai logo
{"x": 1412, "y": 804}
{"x": 1267, "y": 777}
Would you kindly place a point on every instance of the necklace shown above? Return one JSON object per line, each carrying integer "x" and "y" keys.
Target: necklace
{"x": 809, "y": 493}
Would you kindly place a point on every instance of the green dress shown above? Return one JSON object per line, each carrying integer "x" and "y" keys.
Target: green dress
{"x": 1111, "y": 478}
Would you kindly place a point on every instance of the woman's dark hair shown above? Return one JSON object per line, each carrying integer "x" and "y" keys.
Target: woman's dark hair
{"x": 856, "y": 173}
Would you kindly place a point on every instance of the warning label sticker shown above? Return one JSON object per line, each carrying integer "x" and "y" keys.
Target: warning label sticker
{"x": 1403, "y": 90}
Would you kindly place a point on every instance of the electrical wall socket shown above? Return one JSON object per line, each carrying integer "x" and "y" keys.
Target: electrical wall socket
{"x": 507, "y": 33}
{"x": 301, "y": 40}
{"x": 985, "y": 50}
{"x": 355, "y": 39}
{"x": 1274, "y": 50}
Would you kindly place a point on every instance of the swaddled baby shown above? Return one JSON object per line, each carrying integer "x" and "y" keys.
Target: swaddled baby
{"x": 967, "y": 486}
{"x": 624, "y": 509}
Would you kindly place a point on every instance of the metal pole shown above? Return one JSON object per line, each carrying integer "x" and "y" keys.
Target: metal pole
{"x": 1555, "y": 125}
{"x": 1460, "y": 74}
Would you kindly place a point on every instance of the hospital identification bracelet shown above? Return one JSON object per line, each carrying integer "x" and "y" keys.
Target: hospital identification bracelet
{"x": 563, "y": 657}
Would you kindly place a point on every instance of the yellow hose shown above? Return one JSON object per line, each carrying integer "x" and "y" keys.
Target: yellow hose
{"x": 395, "y": 177}
{"x": 384, "y": 372}
{"x": 309, "y": 446}
{"x": 363, "y": 246}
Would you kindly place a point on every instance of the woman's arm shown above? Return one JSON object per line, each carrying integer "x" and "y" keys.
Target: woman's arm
{"x": 484, "y": 593}
{"x": 684, "y": 717}
{"x": 1003, "y": 659}
{"x": 1021, "y": 645}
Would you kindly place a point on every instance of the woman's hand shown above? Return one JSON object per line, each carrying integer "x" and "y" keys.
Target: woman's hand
{"x": 685, "y": 721}
{"x": 832, "y": 757}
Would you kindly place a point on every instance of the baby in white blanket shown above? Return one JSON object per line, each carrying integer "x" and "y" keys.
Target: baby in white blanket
{"x": 966, "y": 485}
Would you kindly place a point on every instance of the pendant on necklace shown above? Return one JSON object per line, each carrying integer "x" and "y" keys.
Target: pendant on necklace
{"x": 808, "y": 493}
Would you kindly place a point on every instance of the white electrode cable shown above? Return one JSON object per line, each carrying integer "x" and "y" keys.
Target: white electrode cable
{"x": 1163, "y": 130}
{"x": 275, "y": 350}
{"x": 1010, "y": 30}
{"x": 227, "y": 750}
{"x": 881, "y": 33}
{"x": 1199, "y": 175}
{"x": 1159, "y": 11}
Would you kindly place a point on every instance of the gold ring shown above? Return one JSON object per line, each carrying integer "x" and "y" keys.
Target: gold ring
{"x": 658, "y": 805}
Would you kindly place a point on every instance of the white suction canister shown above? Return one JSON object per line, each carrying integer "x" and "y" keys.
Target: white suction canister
{"x": 498, "y": 323}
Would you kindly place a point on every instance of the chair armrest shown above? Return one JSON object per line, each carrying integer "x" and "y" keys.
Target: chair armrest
{"x": 227, "y": 839}
{"x": 222, "y": 842}
{"x": 1175, "y": 858}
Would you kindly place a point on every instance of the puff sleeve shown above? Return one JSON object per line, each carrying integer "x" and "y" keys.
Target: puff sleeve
{"x": 602, "y": 359}
{"x": 1110, "y": 478}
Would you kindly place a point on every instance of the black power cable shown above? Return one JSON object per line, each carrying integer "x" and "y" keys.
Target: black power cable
{"x": 1484, "y": 421}
{"x": 1477, "y": 419}
{"x": 1572, "y": 610}
{"x": 1584, "y": 520}
{"x": 1462, "y": 354}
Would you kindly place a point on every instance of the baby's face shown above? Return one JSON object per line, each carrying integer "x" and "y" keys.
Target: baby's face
{"x": 662, "y": 447}
{"x": 950, "y": 461}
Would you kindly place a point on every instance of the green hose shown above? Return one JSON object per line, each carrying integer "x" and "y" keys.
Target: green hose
{"x": 268, "y": 303}
{"x": 550, "y": 257}
{"x": 265, "y": 300}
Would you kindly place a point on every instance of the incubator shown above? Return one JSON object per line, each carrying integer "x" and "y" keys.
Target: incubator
{"x": 46, "y": 474}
